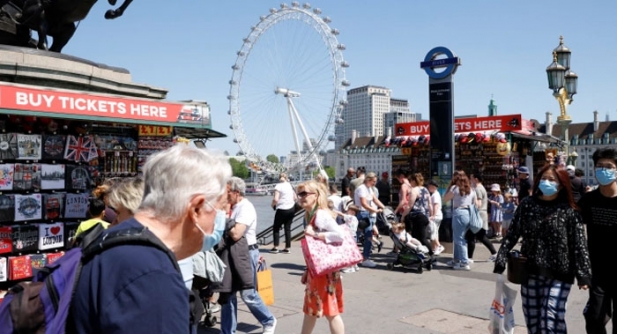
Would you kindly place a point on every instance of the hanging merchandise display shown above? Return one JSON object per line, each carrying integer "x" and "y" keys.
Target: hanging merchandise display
{"x": 56, "y": 146}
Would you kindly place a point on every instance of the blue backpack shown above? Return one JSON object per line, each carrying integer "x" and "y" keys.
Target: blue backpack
{"x": 43, "y": 305}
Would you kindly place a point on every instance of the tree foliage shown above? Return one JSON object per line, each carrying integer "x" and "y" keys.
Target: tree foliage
{"x": 272, "y": 158}
{"x": 239, "y": 169}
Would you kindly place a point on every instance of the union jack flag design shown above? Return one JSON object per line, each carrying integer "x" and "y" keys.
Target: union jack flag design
{"x": 79, "y": 148}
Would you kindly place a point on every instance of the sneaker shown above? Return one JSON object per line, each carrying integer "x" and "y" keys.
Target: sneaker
{"x": 451, "y": 263}
{"x": 274, "y": 250}
{"x": 368, "y": 263}
{"x": 460, "y": 266}
{"x": 269, "y": 329}
{"x": 214, "y": 307}
{"x": 286, "y": 251}
{"x": 348, "y": 270}
{"x": 492, "y": 258}
{"x": 356, "y": 268}
{"x": 423, "y": 249}
{"x": 439, "y": 249}
{"x": 379, "y": 247}
{"x": 470, "y": 261}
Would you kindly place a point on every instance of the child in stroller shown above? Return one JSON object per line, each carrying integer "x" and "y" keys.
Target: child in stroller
{"x": 412, "y": 254}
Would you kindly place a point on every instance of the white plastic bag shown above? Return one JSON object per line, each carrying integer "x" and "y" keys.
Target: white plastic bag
{"x": 501, "y": 316}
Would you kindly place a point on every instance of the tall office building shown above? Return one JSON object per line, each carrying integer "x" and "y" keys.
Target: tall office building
{"x": 366, "y": 111}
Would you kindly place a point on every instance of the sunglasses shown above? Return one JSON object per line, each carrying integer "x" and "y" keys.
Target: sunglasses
{"x": 304, "y": 194}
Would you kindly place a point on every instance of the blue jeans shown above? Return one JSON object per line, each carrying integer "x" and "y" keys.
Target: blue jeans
{"x": 368, "y": 233}
{"x": 229, "y": 311}
{"x": 460, "y": 225}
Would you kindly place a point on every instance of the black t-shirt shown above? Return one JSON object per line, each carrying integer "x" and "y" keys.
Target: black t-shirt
{"x": 600, "y": 215}
{"x": 577, "y": 188}
{"x": 384, "y": 191}
{"x": 525, "y": 186}
{"x": 345, "y": 186}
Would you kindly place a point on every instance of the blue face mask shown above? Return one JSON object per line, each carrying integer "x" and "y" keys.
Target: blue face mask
{"x": 548, "y": 188}
{"x": 211, "y": 240}
{"x": 605, "y": 176}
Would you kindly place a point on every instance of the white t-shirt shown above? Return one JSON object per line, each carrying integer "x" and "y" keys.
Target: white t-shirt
{"x": 436, "y": 197}
{"x": 363, "y": 192}
{"x": 244, "y": 213}
{"x": 326, "y": 224}
{"x": 286, "y": 196}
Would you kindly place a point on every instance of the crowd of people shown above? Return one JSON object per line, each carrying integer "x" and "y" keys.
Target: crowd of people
{"x": 564, "y": 226}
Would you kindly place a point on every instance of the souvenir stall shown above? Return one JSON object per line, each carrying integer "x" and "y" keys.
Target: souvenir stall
{"x": 495, "y": 146}
{"x": 56, "y": 145}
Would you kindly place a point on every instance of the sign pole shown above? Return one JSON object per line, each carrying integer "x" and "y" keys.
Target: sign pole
{"x": 441, "y": 109}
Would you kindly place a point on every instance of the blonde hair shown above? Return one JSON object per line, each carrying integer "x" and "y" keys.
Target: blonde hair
{"x": 127, "y": 193}
{"x": 322, "y": 196}
{"x": 283, "y": 177}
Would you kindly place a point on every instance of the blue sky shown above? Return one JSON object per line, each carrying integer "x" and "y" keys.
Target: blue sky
{"x": 189, "y": 47}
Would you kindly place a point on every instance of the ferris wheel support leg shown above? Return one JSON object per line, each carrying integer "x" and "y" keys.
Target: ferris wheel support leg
{"x": 306, "y": 136}
{"x": 290, "y": 109}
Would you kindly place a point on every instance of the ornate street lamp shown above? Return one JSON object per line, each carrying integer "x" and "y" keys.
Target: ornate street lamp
{"x": 564, "y": 83}
{"x": 573, "y": 156}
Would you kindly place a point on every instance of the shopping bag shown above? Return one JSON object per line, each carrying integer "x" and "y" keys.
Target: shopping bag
{"x": 323, "y": 258}
{"x": 501, "y": 315}
{"x": 475, "y": 221}
{"x": 264, "y": 283}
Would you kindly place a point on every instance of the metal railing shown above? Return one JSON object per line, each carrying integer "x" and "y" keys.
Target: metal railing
{"x": 297, "y": 230}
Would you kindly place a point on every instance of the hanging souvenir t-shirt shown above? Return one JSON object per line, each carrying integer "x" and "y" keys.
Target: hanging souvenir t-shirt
{"x": 29, "y": 147}
{"x": 76, "y": 206}
{"x": 20, "y": 267}
{"x": 51, "y": 236}
{"x": 27, "y": 177}
{"x": 52, "y": 176}
{"x": 38, "y": 261}
{"x": 6, "y": 176}
{"x": 79, "y": 148}
{"x": 6, "y": 240}
{"x": 25, "y": 238}
{"x": 53, "y": 206}
{"x": 69, "y": 233}
{"x": 53, "y": 147}
{"x": 8, "y": 146}
{"x": 77, "y": 177}
{"x": 28, "y": 207}
{"x": 7, "y": 208}
{"x": 3, "y": 269}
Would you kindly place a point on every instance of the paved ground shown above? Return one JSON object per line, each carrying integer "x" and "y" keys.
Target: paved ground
{"x": 382, "y": 301}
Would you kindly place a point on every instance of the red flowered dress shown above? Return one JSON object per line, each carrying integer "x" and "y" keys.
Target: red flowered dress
{"x": 323, "y": 295}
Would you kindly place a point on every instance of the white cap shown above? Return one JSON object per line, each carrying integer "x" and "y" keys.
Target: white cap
{"x": 570, "y": 167}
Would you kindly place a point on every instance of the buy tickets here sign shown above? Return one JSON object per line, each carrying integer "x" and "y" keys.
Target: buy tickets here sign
{"x": 13, "y": 97}
{"x": 471, "y": 124}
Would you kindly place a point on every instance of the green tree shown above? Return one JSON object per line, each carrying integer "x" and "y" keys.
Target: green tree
{"x": 273, "y": 158}
{"x": 239, "y": 169}
{"x": 330, "y": 171}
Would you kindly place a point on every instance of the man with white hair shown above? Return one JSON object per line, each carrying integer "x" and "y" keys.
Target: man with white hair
{"x": 134, "y": 288}
{"x": 245, "y": 217}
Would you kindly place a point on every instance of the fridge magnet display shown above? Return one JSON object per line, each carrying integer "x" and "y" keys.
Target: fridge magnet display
{"x": 7, "y": 208}
{"x": 6, "y": 176}
{"x": 53, "y": 206}
{"x": 77, "y": 177}
{"x": 53, "y": 147}
{"x": 25, "y": 238}
{"x": 78, "y": 148}
{"x": 6, "y": 240}
{"x": 8, "y": 146}
{"x": 3, "y": 270}
{"x": 27, "y": 177}
{"x": 29, "y": 147}
{"x": 52, "y": 176}
{"x": 38, "y": 261}
{"x": 28, "y": 207}
{"x": 76, "y": 206}
{"x": 20, "y": 267}
{"x": 51, "y": 236}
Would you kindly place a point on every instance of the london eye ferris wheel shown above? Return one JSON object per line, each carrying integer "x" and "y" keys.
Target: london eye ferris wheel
{"x": 288, "y": 88}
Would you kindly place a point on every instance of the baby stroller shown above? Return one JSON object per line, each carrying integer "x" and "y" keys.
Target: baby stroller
{"x": 207, "y": 270}
{"x": 384, "y": 220}
{"x": 205, "y": 293}
{"x": 408, "y": 258}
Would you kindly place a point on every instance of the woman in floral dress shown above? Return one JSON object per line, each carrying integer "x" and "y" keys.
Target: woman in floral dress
{"x": 324, "y": 293}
